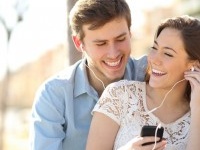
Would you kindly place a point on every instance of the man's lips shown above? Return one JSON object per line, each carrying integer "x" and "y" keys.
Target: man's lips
{"x": 113, "y": 64}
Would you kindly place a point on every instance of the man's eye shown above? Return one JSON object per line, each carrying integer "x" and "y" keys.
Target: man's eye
{"x": 121, "y": 39}
{"x": 153, "y": 48}
{"x": 101, "y": 44}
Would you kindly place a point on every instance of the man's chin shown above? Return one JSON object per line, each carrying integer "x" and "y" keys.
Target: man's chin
{"x": 114, "y": 77}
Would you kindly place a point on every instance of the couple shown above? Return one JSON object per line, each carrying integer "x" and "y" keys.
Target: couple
{"x": 62, "y": 108}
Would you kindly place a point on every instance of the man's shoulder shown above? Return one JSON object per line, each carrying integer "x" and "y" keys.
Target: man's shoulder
{"x": 140, "y": 60}
{"x": 63, "y": 77}
{"x": 60, "y": 86}
{"x": 137, "y": 68}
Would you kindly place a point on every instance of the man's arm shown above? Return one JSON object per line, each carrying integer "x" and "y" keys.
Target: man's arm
{"x": 47, "y": 121}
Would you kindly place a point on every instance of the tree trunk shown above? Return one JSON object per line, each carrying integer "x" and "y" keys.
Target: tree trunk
{"x": 3, "y": 106}
{"x": 73, "y": 54}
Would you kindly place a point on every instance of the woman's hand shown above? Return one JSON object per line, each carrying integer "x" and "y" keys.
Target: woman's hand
{"x": 136, "y": 144}
{"x": 194, "y": 78}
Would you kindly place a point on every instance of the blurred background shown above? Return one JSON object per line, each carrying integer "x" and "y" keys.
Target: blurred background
{"x": 35, "y": 43}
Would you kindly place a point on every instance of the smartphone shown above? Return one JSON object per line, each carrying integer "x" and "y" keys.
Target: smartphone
{"x": 148, "y": 130}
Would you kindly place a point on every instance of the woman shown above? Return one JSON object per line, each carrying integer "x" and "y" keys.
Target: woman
{"x": 170, "y": 96}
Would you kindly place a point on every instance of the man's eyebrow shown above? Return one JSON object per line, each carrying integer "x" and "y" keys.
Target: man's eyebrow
{"x": 166, "y": 47}
{"x": 123, "y": 34}
{"x": 100, "y": 40}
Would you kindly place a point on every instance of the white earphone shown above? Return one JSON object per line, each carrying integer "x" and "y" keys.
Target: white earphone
{"x": 81, "y": 47}
{"x": 192, "y": 68}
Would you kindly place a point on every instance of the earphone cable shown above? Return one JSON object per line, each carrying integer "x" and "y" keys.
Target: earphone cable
{"x": 154, "y": 109}
{"x": 95, "y": 76}
{"x": 93, "y": 72}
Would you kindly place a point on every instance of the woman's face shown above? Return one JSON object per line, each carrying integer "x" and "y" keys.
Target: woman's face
{"x": 168, "y": 59}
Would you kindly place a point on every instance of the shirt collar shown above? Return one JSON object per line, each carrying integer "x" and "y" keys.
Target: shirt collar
{"x": 127, "y": 73}
{"x": 81, "y": 81}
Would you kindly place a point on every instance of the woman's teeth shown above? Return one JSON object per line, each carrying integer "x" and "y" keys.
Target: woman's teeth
{"x": 157, "y": 72}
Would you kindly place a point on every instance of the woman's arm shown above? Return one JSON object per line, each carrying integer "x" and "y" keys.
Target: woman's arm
{"x": 102, "y": 134}
{"x": 193, "y": 142}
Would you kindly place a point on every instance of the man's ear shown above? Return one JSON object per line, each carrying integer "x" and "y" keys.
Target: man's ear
{"x": 77, "y": 43}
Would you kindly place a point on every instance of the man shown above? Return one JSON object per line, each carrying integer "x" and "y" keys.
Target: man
{"x": 63, "y": 104}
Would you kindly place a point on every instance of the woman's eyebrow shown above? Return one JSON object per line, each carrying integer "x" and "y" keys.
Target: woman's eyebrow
{"x": 166, "y": 47}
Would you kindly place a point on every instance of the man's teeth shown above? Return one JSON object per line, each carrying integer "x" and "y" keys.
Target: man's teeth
{"x": 112, "y": 64}
{"x": 158, "y": 72}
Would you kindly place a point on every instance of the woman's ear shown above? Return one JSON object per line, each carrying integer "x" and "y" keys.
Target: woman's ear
{"x": 77, "y": 43}
{"x": 193, "y": 64}
{"x": 197, "y": 63}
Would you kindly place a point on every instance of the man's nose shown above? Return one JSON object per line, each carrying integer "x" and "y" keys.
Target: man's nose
{"x": 113, "y": 51}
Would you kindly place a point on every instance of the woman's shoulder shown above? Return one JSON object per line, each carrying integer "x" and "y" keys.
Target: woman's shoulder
{"x": 126, "y": 83}
{"x": 125, "y": 87}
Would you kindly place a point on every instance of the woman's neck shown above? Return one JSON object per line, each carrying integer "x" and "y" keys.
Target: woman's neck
{"x": 171, "y": 96}
{"x": 174, "y": 106}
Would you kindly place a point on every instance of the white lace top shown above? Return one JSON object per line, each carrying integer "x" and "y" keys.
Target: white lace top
{"x": 125, "y": 103}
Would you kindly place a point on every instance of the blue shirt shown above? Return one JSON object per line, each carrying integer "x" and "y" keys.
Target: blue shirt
{"x": 61, "y": 113}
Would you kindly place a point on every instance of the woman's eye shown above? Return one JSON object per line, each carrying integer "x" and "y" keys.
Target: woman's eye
{"x": 168, "y": 54}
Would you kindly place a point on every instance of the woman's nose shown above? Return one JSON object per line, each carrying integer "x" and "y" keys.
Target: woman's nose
{"x": 155, "y": 58}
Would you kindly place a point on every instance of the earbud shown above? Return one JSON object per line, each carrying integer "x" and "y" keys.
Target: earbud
{"x": 81, "y": 47}
{"x": 192, "y": 68}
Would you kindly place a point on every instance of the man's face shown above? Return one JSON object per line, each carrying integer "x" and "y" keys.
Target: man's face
{"x": 107, "y": 49}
